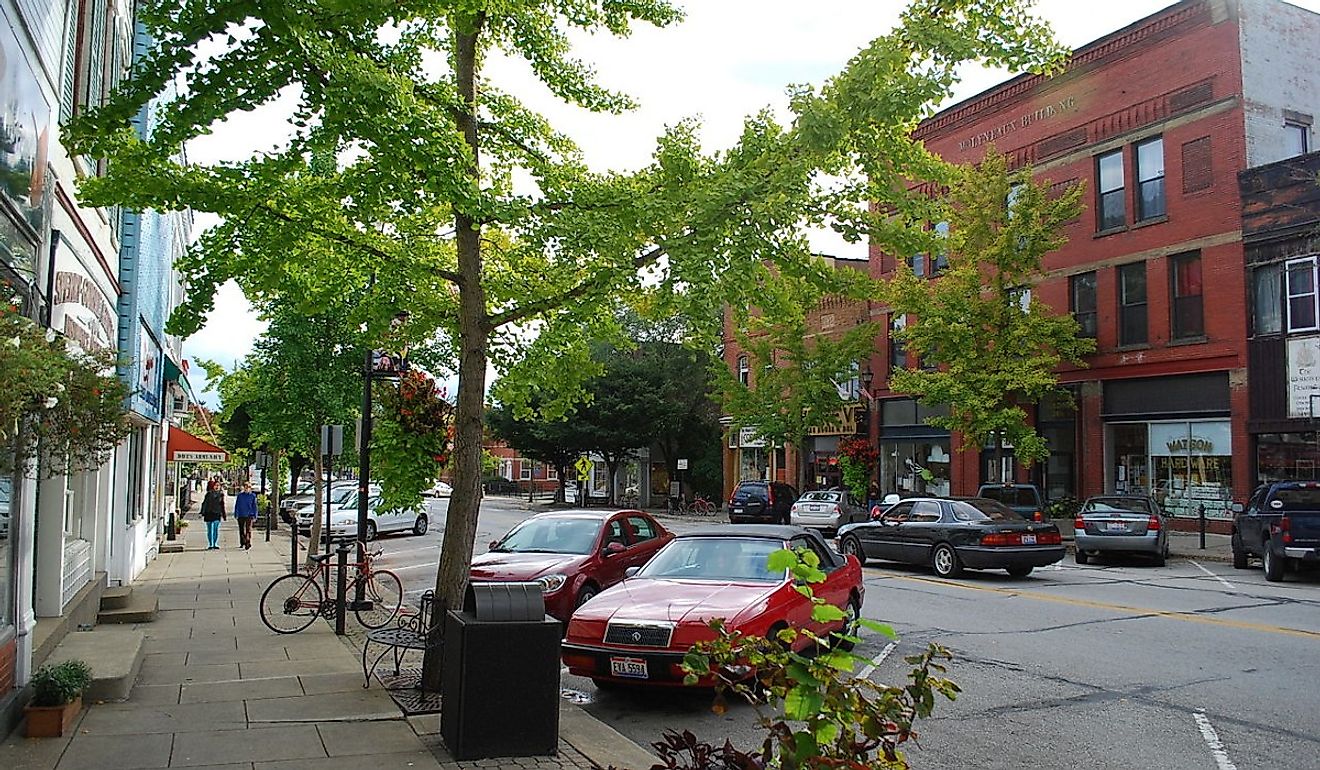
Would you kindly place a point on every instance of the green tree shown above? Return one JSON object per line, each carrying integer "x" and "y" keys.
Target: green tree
{"x": 428, "y": 145}
{"x": 556, "y": 443}
{"x": 988, "y": 348}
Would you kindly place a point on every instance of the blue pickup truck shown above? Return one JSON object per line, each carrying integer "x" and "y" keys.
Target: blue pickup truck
{"x": 1281, "y": 525}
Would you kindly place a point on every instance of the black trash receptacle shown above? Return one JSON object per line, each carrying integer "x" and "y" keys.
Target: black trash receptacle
{"x": 500, "y": 680}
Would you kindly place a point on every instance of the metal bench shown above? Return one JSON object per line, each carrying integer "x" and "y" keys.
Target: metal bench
{"x": 412, "y": 631}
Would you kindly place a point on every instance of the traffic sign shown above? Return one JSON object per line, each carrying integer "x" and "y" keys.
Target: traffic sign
{"x": 682, "y": 463}
{"x": 583, "y": 467}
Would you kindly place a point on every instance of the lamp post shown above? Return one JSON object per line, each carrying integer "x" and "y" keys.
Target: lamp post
{"x": 263, "y": 462}
{"x": 868, "y": 404}
{"x": 364, "y": 447}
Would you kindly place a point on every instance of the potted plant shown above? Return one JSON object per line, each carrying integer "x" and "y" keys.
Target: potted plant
{"x": 56, "y": 698}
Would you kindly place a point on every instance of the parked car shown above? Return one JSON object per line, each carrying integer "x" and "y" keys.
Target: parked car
{"x": 955, "y": 534}
{"x": 574, "y": 555}
{"x": 294, "y": 502}
{"x": 344, "y": 517}
{"x": 1281, "y": 525}
{"x": 1121, "y": 524}
{"x": 638, "y": 631}
{"x": 1024, "y": 499}
{"x": 439, "y": 489}
{"x": 6, "y": 493}
{"x": 762, "y": 501}
{"x": 305, "y": 510}
{"x": 826, "y": 510}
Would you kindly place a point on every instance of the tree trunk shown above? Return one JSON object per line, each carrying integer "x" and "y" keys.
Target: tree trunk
{"x": 461, "y": 521}
{"x": 611, "y": 470}
{"x": 801, "y": 475}
{"x": 318, "y": 505}
{"x": 296, "y": 465}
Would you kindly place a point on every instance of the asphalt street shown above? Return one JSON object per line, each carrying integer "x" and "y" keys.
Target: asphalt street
{"x": 1194, "y": 665}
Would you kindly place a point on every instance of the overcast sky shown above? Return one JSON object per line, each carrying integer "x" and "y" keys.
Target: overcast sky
{"x": 726, "y": 60}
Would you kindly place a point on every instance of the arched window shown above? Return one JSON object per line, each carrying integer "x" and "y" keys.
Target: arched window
{"x": 744, "y": 371}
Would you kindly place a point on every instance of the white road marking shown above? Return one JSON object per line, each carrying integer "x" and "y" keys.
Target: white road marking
{"x": 1212, "y": 741}
{"x": 432, "y": 549}
{"x": 414, "y": 566}
{"x": 877, "y": 660}
{"x": 1225, "y": 583}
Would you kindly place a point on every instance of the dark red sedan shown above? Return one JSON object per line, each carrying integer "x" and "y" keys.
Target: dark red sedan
{"x": 638, "y": 631}
{"x": 574, "y": 555}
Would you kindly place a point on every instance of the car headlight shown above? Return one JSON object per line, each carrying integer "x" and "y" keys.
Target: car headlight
{"x": 552, "y": 583}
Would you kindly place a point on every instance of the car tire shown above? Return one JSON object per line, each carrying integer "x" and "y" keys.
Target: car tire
{"x": 1161, "y": 559}
{"x": 419, "y": 526}
{"x": 1080, "y": 557}
{"x": 853, "y": 546}
{"x": 852, "y": 613}
{"x": 1019, "y": 572}
{"x": 1274, "y": 566}
{"x": 585, "y": 594}
{"x": 1240, "y": 555}
{"x": 944, "y": 560}
{"x": 371, "y": 531}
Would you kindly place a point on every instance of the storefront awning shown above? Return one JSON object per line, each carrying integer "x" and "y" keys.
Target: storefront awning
{"x": 174, "y": 374}
{"x": 184, "y": 447}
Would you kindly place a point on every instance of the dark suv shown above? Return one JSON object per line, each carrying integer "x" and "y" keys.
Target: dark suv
{"x": 1281, "y": 525}
{"x": 1024, "y": 499}
{"x": 761, "y": 501}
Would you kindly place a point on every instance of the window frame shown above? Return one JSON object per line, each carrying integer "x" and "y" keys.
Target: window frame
{"x": 524, "y": 469}
{"x": 1288, "y": 295}
{"x": 1077, "y": 313}
{"x": 1277, "y": 300}
{"x": 1303, "y": 132}
{"x": 1176, "y": 300}
{"x": 1142, "y": 215}
{"x": 1101, "y": 192}
{"x": 898, "y": 358}
{"x": 744, "y": 365}
{"x": 939, "y": 261}
{"x": 1125, "y": 307}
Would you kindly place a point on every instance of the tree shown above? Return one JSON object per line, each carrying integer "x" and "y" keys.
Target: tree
{"x": 554, "y": 442}
{"x": 988, "y": 348}
{"x": 427, "y": 148}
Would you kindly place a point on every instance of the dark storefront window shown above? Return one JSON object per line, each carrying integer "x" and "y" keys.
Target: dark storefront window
{"x": 1132, "y": 304}
{"x": 1266, "y": 290}
{"x": 1150, "y": 179}
{"x": 1109, "y": 168}
{"x": 1082, "y": 291}
{"x": 1187, "y": 319}
{"x": 1287, "y": 457}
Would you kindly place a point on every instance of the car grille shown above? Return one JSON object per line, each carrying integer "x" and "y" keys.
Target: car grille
{"x": 639, "y": 634}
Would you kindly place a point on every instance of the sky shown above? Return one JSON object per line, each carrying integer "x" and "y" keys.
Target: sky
{"x": 726, "y": 60}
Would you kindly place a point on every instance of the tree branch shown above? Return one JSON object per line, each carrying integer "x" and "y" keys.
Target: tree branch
{"x": 645, "y": 259}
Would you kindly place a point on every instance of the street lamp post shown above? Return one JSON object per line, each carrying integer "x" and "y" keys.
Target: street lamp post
{"x": 868, "y": 408}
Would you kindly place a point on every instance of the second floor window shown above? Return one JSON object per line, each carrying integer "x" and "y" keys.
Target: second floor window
{"x": 897, "y": 351}
{"x": 1187, "y": 317}
{"x": 1110, "y": 171}
{"x": 940, "y": 260}
{"x": 1296, "y": 139}
{"x": 1266, "y": 289}
{"x": 1132, "y": 304}
{"x": 1302, "y": 310}
{"x": 744, "y": 371}
{"x": 1082, "y": 291}
{"x": 919, "y": 265}
{"x": 1150, "y": 179}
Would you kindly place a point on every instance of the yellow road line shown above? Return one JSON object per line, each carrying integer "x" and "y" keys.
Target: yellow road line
{"x": 1171, "y": 614}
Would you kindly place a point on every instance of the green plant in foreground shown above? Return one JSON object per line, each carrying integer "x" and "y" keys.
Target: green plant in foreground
{"x": 60, "y": 683}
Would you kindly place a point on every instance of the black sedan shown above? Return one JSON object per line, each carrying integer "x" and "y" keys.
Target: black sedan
{"x": 954, "y": 534}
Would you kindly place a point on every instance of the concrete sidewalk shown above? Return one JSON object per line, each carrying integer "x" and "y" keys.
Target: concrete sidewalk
{"x": 219, "y": 690}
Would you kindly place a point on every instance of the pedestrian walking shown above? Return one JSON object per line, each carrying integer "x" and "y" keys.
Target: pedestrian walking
{"x": 213, "y": 512}
{"x": 245, "y": 512}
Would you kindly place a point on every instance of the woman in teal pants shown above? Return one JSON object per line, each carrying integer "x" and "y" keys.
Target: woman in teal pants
{"x": 213, "y": 511}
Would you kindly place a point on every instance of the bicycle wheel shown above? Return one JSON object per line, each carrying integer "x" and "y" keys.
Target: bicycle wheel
{"x": 385, "y": 592}
{"x": 290, "y": 604}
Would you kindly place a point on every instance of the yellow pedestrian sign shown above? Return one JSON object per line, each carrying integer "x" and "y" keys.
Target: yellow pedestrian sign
{"x": 583, "y": 467}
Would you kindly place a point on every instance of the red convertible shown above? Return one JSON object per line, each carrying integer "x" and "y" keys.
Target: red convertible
{"x": 638, "y": 631}
{"x": 574, "y": 555}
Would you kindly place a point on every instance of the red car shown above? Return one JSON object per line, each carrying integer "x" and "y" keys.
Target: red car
{"x": 638, "y": 631}
{"x": 574, "y": 555}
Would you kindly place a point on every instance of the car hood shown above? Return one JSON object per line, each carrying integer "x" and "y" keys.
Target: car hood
{"x": 523, "y": 566}
{"x": 676, "y": 601}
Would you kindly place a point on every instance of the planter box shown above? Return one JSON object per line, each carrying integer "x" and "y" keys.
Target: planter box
{"x": 51, "y": 721}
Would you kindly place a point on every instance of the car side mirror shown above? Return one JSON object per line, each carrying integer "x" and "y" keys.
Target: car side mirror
{"x": 613, "y": 548}
{"x": 493, "y": 544}
{"x": 631, "y": 572}
{"x": 1236, "y": 508}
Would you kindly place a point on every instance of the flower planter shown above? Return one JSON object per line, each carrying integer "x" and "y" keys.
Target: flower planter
{"x": 51, "y": 721}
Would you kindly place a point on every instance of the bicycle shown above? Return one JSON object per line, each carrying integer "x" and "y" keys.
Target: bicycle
{"x": 294, "y": 601}
{"x": 699, "y": 506}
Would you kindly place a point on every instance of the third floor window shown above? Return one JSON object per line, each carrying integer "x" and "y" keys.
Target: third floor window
{"x": 1111, "y": 209}
{"x": 1150, "y": 179}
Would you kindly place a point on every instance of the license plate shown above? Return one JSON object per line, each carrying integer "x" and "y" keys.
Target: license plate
{"x": 737, "y": 510}
{"x": 632, "y": 668}
{"x": 1028, "y": 539}
{"x": 1117, "y": 527}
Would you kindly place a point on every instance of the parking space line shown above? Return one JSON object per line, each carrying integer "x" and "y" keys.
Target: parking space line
{"x": 1212, "y": 741}
{"x": 1225, "y": 583}
{"x": 414, "y": 566}
{"x": 877, "y": 660}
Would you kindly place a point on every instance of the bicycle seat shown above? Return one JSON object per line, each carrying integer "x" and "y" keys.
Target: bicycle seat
{"x": 374, "y": 554}
{"x": 320, "y": 556}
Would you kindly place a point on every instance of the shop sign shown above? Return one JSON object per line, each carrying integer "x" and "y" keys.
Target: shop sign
{"x": 843, "y": 424}
{"x": 1177, "y": 439}
{"x": 1303, "y": 376}
{"x": 1045, "y": 112}
{"x": 200, "y": 457}
{"x": 747, "y": 438}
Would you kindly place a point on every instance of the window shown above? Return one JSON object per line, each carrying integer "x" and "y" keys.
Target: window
{"x": 642, "y": 529}
{"x": 551, "y": 472}
{"x": 1110, "y": 170}
{"x": 1296, "y": 139}
{"x": 524, "y": 470}
{"x": 897, "y": 350}
{"x": 1021, "y": 296}
{"x": 940, "y": 261}
{"x": 1082, "y": 296}
{"x": 744, "y": 371}
{"x": 1150, "y": 179}
{"x": 1014, "y": 193}
{"x": 925, "y": 511}
{"x": 1132, "y": 304}
{"x": 918, "y": 264}
{"x": 1266, "y": 290}
{"x": 1187, "y": 319}
{"x": 1301, "y": 295}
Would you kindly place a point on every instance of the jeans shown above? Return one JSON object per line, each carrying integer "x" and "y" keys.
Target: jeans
{"x": 245, "y": 530}
{"x": 213, "y": 534}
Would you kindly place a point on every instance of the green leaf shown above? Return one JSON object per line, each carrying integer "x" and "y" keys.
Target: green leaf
{"x": 878, "y": 627}
{"x": 802, "y": 703}
{"x": 781, "y": 560}
{"x": 826, "y": 732}
{"x": 805, "y": 746}
{"x": 826, "y": 613}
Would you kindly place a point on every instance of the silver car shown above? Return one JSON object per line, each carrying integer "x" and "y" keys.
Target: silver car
{"x": 1121, "y": 524}
{"x": 826, "y": 509}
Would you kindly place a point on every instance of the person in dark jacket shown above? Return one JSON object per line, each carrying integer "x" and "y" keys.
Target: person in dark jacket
{"x": 213, "y": 511}
{"x": 245, "y": 512}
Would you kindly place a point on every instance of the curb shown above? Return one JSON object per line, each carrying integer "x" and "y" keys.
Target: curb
{"x": 599, "y": 742}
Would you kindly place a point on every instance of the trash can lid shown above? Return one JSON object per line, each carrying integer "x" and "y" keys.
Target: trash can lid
{"x": 502, "y": 602}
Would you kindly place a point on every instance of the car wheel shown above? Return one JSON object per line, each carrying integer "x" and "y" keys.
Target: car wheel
{"x": 585, "y": 594}
{"x": 944, "y": 560}
{"x": 1019, "y": 572}
{"x": 1239, "y": 553}
{"x": 371, "y": 531}
{"x": 851, "y": 614}
{"x": 419, "y": 526}
{"x": 1161, "y": 559}
{"x": 1273, "y": 564}
{"x": 1080, "y": 557}
{"x": 853, "y": 547}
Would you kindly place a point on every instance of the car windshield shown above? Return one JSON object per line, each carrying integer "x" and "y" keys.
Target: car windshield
{"x": 750, "y": 492}
{"x": 552, "y": 534}
{"x": 716, "y": 558}
{"x": 823, "y": 497}
{"x": 1117, "y": 505}
{"x": 1019, "y": 496}
{"x": 983, "y": 509}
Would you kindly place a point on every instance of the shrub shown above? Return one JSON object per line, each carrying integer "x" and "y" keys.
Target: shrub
{"x": 1064, "y": 507}
{"x": 61, "y": 683}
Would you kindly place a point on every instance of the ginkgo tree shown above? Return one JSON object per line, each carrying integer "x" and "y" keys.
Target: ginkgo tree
{"x": 471, "y": 210}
